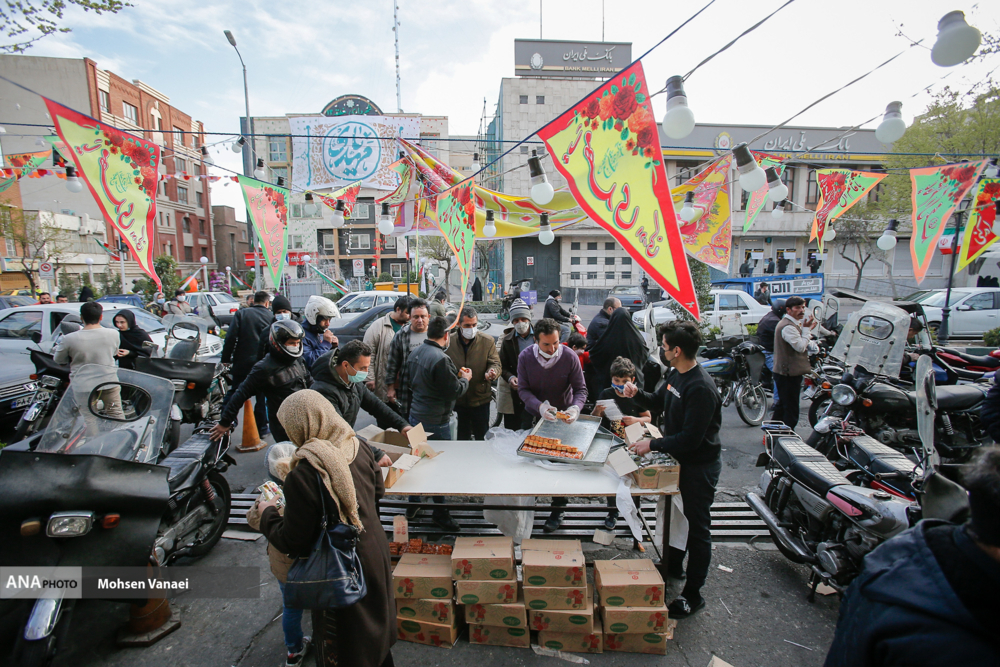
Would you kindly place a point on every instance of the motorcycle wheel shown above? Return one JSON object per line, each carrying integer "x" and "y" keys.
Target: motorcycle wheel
{"x": 25, "y": 429}
{"x": 819, "y": 405}
{"x": 503, "y": 315}
{"x": 751, "y": 403}
{"x": 223, "y": 498}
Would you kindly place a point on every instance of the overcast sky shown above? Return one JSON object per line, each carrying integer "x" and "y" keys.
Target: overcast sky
{"x": 453, "y": 53}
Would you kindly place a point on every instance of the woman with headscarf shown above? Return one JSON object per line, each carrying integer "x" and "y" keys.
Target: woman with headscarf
{"x": 329, "y": 459}
{"x": 620, "y": 339}
{"x": 131, "y": 339}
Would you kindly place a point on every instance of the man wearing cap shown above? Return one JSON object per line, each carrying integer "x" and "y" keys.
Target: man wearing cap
{"x": 515, "y": 340}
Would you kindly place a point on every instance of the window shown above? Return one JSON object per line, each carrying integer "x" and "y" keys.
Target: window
{"x": 182, "y": 197}
{"x": 360, "y": 212}
{"x": 591, "y": 260}
{"x": 609, "y": 246}
{"x": 329, "y": 240}
{"x": 187, "y": 225}
{"x": 539, "y": 99}
{"x": 105, "y": 100}
{"x": 685, "y": 171}
{"x": 199, "y": 202}
{"x": 524, "y": 99}
{"x": 730, "y": 302}
{"x": 609, "y": 261}
{"x": 130, "y": 112}
{"x": 575, "y": 245}
{"x": 591, "y": 275}
{"x": 201, "y": 225}
{"x": 396, "y": 271}
{"x": 574, "y": 261}
{"x": 279, "y": 172}
{"x": 609, "y": 275}
{"x": 188, "y": 252}
{"x": 812, "y": 188}
{"x": 195, "y": 168}
{"x": 980, "y": 301}
{"x": 524, "y": 150}
{"x": 179, "y": 136}
{"x": 21, "y": 324}
{"x": 204, "y": 253}
{"x": 277, "y": 149}
{"x": 243, "y": 235}
{"x": 626, "y": 260}
{"x": 592, "y": 246}
{"x": 11, "y": 248}
{"x": 295, "y": 241}
{"x": 389, "y": 242}
{"x": 575, "y": 275}
{"x": 360, "y": 242}
{"x": 180, "y": 164}
{"x": 788, "y": 178}
{"x": 626, "y": 275}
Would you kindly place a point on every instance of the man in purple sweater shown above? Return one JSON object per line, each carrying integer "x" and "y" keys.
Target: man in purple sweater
{"x": 550, "y": 379}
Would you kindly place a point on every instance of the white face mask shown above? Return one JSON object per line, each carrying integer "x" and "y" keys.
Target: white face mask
{"x": 182, "y": 297}
{"x": 282, "y": 316}
{"x": 468, "y": 333}
{"x": 522, "y": 327}
{"x": 545, "y": 354}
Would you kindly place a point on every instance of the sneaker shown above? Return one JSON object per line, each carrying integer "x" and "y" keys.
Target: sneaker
{"x": 443, "y": 520}
{"x": 682, "y": 608}
{"x": 295, "y": 659}
{"x": 611, "y": 520}
{"x": 553, "y": 522}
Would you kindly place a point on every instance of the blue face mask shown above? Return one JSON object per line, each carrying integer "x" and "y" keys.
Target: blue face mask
{"x": 283, "y": 316}
{"x": 358, "y": 376}
{"x": 620, "y": 388}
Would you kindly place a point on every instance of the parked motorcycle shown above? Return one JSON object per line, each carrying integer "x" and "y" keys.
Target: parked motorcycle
{"x": 51, "y": 380}
{"x": 513, "y": 292}
{"x": 97, "y": 488}
{"x": 736, "y": 367}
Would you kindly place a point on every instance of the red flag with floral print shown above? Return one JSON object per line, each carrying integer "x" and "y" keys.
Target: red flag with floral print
{"x": 978, "y": 235}
{"x": 19, "y": 166}
{"x": 121, "y": 171}
{"x": 347, "y": 194}
{"x": 456, "y": 218}
{"x": 839, "y": 190}
{"x": 267, "y": 206}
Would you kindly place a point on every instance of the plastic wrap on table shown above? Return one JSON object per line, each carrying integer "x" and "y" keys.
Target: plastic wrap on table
{"x": 626, "y": 506}
{"x": 505, "y": 442}
{"x": 678, "y": 522}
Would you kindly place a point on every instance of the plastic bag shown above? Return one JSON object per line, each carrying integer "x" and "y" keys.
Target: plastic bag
{"x": 516, "y": 524}
{"x": 505, "y": 442}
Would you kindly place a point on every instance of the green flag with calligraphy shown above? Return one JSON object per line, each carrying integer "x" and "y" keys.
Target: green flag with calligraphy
{"x": 267, "y": 206}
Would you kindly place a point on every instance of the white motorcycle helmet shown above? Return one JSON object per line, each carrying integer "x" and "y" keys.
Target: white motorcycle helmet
{"x": 319, "y": 306}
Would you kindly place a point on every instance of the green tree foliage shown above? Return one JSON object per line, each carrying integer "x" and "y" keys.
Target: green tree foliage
{"x": 24, "y": 22}
{"x": 109, "y": 282}
{"x": 702, "y": 278}
{"x": 166, "y": 268}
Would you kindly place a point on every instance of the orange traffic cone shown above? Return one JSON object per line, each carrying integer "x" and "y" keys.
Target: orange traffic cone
{"x": 250, "y": 442}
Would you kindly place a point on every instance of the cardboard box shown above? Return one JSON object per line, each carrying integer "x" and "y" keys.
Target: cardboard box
{"x": 486, "y": 592}
{"x": 574, "y": 642}
{"x": 432, "y": 634}
{"x": 633, "y": 620}
{"x": 533, "y": 544}
{"x": 403, "y": 449}
{"x": 554, "y": 568}
{"x": 628, "y": 583}
{"x": 654, "y": 643}
{"x": 509, "y": 615}
{"x": 550, "y": 597}
{"x": 483, "y": 558}
{"x": 657, "y": 477}
{"x": 575, "y": 621}
{"x": 499, "y": 636}
{"x": 422, "y": 577}
{"x": 441, "y": 612}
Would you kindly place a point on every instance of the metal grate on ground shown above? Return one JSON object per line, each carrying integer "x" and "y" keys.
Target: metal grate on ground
{"x": 731, "y": 521}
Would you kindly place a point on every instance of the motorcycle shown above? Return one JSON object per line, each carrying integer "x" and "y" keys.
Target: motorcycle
{"x": 98, "y": 489}
{"x": 735, "y": 368}
{"x": 51, "y": 380}
{"x": 513, "y": 292}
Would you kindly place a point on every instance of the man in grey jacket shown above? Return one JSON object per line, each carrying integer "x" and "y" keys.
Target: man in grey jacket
{"x": 379, "y": 338}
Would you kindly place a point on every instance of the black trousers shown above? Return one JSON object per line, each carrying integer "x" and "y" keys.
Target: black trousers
{"x": 789, "y": 388}
{"x": 473, "y": 423}
{"x": 697, "y": 486}
{"x": 259, "y": 405}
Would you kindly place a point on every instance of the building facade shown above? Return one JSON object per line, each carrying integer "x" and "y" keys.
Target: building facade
{"x": 231, "y": 244}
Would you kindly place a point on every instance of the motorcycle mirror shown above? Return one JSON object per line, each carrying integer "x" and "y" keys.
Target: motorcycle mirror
{"x": 184, "y": 331}
{"x": 36, "y": 337}
{"x": 926, "y": 409}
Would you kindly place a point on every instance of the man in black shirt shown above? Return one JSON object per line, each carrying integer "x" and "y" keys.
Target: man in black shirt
{"x": 692, "y": 417}
{"x": 765, "y": 336}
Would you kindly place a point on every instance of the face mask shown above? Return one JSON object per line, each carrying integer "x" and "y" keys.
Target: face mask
{"x": 161, "y": 301}
{"x": 358, "y": 376}
{"x": 522, "y": 327}
{"x": 282, "y": 316}
{"x": 618, "y": 387}
{"x": 468, "y": 333}
{"x": 545, "y": 355}
{"x": 292, "y": 349}
{"x": 182, "y": 297}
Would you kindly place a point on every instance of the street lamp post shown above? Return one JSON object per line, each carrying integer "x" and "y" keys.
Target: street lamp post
{"x": 960, "y": 216}
{"x": 121, "y": 259}
{"x": 247, "y": 169}
{"x": 90, "y": 269}
{"x": 204, "y": 273}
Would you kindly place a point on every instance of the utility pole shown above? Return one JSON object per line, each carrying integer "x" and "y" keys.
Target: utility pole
{"x": 395, "y": 30}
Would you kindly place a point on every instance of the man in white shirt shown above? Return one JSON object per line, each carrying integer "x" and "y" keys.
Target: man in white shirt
{"x": 792, "y": 347}
{"x": 94, "y": 345}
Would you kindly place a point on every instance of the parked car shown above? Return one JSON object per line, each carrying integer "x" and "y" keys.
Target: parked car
{"x": 974, "y": 311}
{"x": 15, "y": 301}
{"x": 359, "y": 302}
{"x": 354, "y": 327}
{"x": 918, "y": 296}
{"x": 219, "y": 305}
{"x": 726, "y": 302}
{"x": 16, "y": 292}
{"x": 128, "y": 299}
{"x": 632, "y": 297}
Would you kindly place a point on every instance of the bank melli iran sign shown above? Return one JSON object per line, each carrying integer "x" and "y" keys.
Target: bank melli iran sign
{"x": 544, "y": 57}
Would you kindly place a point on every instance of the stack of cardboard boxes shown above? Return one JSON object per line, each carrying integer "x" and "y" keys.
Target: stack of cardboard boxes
{"x": 632, "y": 608}
{"x": 486, "y": 578}
{"x": 425, "y": 601}
{"x": 556, "y": 593}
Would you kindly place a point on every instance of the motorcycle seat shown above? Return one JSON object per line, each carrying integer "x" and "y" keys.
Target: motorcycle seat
{"x": 873, "y": 456}
{"x": 975, "y": 360}
{"x": 186, "y": 459}
{"x": 959, "y": 397}
{"x": 807, "y": 465}
{"x": 201, "y": 373}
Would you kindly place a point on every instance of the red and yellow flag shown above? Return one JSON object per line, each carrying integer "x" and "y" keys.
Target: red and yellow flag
{"x": 608, "y": 149}
{"x": 267, "y": 206}
{"x": 19, "y": 166}
{"x": 121, "y": 171}
{"x": 978, "y": 235}
{"x": 839, "y": 190}
{"x": 456, "y": 218}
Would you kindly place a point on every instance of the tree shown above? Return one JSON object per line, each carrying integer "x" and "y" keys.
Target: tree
{"x": 702, "y": 279}
{"x": 36, "y": 238}
{"x": 165, "y": 267}
{"x": 27, "y": 21}
{"x": 436, "y": 248}
{"x": 855, "y": 242}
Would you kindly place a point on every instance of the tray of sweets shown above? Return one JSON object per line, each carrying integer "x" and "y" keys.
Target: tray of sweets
{"x": 578, "y": 443}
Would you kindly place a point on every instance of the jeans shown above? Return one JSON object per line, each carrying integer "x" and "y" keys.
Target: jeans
{"x": 769, "y": 362}
{"x": 291, "y": 624}
{"x": 434, "y": 432}
{"x": 697, "y": 486}
{"x": 789, "y": 388}
{"x": 259, "y": 407}
{"x": 473, "y": 423}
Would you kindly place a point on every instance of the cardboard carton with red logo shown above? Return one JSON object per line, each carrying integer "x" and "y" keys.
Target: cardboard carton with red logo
{"x": 486, "y": 592}
{"x": 423, "y": 577}
{"x": 554, "y": 568}
{"x": 510, "y": 615}
{"x": 577, "y": 621}
{"x": 551, "y": 597}
{"x": 432, "y": 634}
{"x": 499, "y": 636}
{"x": 654, "y": 643}
{"x": 432, "y": 611}
{"x": 532, "y": 544}
{"x": 483, "y": 558}
{"x": 619, "y": 620}
{"x": 574, "y": 642}
{"x": 628, "y": 583}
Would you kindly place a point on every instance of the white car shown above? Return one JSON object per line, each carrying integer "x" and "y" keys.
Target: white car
{"x": 974, "y": 310}
{"x": 359, "y": 302}
{"x": 727, "y": 302}
{"x": 220, "y": 305}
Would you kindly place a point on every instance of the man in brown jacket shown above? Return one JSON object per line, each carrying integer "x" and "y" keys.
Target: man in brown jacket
{"x": 791, "y": 358}
{"x": 471, "y": 348}
{"x": 379, "y": 338}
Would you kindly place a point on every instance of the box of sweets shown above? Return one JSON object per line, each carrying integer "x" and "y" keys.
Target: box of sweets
{"x": 432, "y": 611}
{"x": 654, "y": 643}
{"x": 432, "y": 634}
{"x": 483, "y": 558}
{"x": 564, "y": 620}
{"x": 628, "y": 583}
{"x": 554, "y": 568}
{"x": 550, "y": 597}
{"x": 486, "y": 592}
{"x": 510, "y": 615}
{"x": 422, "y": 577}
{"x": 499, "y": 636}
{"x": 574, "y": 642}
{"x": 634, "y": 619}
{"x": 533, "y": 544}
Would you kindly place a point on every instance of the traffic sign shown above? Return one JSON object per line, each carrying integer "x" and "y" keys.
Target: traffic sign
{"x": 359, "y": 268}
{"x": 46, "y": 271}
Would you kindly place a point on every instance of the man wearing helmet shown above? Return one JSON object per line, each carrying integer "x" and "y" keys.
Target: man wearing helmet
{"x": 319, "y": 339}
{"x": 277, "y": 376}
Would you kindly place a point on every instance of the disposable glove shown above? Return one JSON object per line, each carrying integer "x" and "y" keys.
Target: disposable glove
{"x": 547, "y": 412}
{"x": 573, "y": 413}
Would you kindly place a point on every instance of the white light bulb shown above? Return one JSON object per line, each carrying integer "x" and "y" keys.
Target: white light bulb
{"x": 992, "y": 170}
{"x": 542, "y": 193}
{"x": 310, "y": 210}
{"x": 687, "y": 212}
{"x": 778, "y": 193}
{"x": 3, "y": 130}
{"x": 957, "y": 41}
{"x": 238, "y": 145}
{"x": 777, "y": 212}
{"x": 259, "y": 173}
{"x": 206, "y": 157}
{"x": 892, "y": 126}
{"x": 546, "y": 237}
{"x": 385, "y": 225}
{"x": 337, "y": 219}
{"x": 887, "y": 241}
{"x": 678, "y": 122}
{"x": 753, "y": 180}
{"x": 829, "y": 235}
{"x": 306, "y": 258}
{"x": 73, "y": 182}
{"x": 475, "y": 162}
{"x": 489, "y": 229}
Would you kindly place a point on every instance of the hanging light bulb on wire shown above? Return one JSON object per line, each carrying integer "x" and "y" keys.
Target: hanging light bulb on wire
{"x": 992, "y": 170}
{"x": 687, "y": 210}
{"x": 337, "y": 217}
{"x": 490, "y": 228}
{"x": 475, "y": 162}
{"x": 887, "y": 241}
{"x": 892, "y": 127}
{"x": 206, "y": 157}
{"x": 259, "y": 172}
{"x": 752, "y": 177}
{"x": 310, "y": 208}
{"x": 239, "y": 144}
{"x": 541, "y": 189}
{"x": 73, "y": 182}
{"x": 957, "y": 41}
{"x": 678, "y": 122}
{"x": 545, "y": 235}
{"x": 830, "y": 234}
{"x": 778, "y": 211}
{"x": 776, "y": 190}
{"x": 385, "y": 222}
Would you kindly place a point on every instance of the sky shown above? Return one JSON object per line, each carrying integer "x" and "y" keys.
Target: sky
{"x": 300, "y": 54}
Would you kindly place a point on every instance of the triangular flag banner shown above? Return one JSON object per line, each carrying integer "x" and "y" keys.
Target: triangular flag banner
{"x": 708, "y": 238}
{"x": 456, "y": 216}
{"x": 404, "y": 170}
{"x": 267, "y": 206}
{"x": 112, "y": 253}
{"x": 756, "y": 202}
{"x": 979, "y": 234}
{"x": 347, "y": 194}
{"x": 839, "y": 190}
{"x": 121, "y": 171}
{"x": 608, "y": 149}
{"x": 935, "y": 193}
{"x": 239, "y": 283}
{"x": 20, "y": 166}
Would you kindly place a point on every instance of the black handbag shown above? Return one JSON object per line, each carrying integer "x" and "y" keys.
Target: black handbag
{"x": 331, "y": 577}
